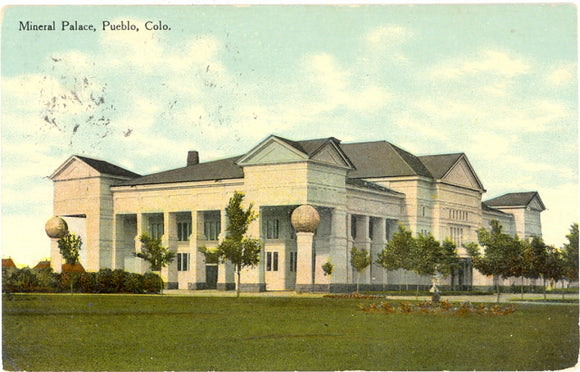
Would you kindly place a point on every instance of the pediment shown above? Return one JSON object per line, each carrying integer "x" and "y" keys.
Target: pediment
{"x": 536, "y": 204}
{"x": 272, "y": 151}
{"x": 462, "y": 174}
{"x": 73, "y": 168}
{"x": 330, "y": 155}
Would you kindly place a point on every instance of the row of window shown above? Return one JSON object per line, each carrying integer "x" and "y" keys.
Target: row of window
{"x": 456, "y": 234}
{"x": 456, "y": 214}
{"x": 272, "y": 261}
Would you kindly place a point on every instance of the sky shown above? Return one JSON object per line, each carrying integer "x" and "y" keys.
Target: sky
{"x": 497, "y": 82}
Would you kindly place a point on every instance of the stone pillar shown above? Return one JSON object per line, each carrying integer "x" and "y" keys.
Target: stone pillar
{"x": 169, "y": 240}
{"x": 305, "y": 220}
{"x": 378, "y": 244}
{"x": 140, "y": 266}
{"x": 338, "y": 247}
{"x": 363, "y": 241}
{"x": 197, "y": 264}
{"x": 304, "y": 277}
{"x": 226, "y": 272}
{"x": 254, "y": 279}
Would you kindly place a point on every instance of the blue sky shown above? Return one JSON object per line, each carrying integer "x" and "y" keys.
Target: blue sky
{"x": 498, "y": 82}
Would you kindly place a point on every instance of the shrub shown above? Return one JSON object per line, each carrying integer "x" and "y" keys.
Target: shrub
{"x": 88, "y": 282}
{"x": 152, "y": 283}
{"x": 47, "y": 279}
{"x": 134, "y": 283}
{"x": 105, "y": 281}
{"x": 118, "y": 277}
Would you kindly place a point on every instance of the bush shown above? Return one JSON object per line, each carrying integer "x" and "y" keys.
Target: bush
{"x": 152, "y": 283}
{"x": 134, "y": 283}
{"x": 19, "y": 280}
{"x": 47, "y": 279}
{"x": 88, "y": 282}
{"x": 105, "y": 281}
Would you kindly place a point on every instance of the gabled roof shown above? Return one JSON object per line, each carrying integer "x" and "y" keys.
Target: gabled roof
{"x": 370, "y": 185}
{"x": 7, "y": 263}
{"x": 209, "y": 171}
{"x": 442, "y": 165}
{"x": 516, "y": 199}
{"x": 105, "y": 167}
{"x": 100, "y": 166}
{"x": 382, "y": 159}
{"x": 439, "y": 165}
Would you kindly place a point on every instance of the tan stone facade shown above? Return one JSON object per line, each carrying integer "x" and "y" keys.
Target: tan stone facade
{"x": 358, "y": 206}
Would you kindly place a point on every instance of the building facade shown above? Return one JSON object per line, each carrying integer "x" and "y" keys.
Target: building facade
{"x": 361, "y": 191}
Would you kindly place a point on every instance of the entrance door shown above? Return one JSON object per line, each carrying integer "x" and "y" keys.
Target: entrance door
{"x": 211, "y": 276}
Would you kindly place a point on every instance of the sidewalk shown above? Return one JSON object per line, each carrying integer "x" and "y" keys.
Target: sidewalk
{"x": 505, "y": 297}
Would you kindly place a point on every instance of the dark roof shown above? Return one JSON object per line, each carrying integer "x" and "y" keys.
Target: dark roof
{"x": 212, "y": 170}
{"x": 439, "y": 165}
{"x": 107, "y": 168}
{"x": 7, "y": 262}
{"x": 515, "y": 199}
{"x": 487, "y": 208}
{"x": 370, "y": 185}
{"x": 382, "y": 159}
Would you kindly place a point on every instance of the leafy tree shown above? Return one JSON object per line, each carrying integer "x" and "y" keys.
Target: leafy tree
{"x": 359, "y": 260}
{"x": 236, "y": 248}
{"x": 570, "y": 254}
{"x": 328, "y": 268}
{"x": 555, "y": 266}
{"x": 154, "y": 253}
{"x": 500, "y": 253}
{"x": 397, "y": 252}
{"x": 70, "y": 246}
{"x": 536, "y": 257}
{"x": 450, "y": 260}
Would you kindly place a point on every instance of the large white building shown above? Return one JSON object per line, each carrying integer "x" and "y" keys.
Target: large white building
{"x": 360, "y": 190}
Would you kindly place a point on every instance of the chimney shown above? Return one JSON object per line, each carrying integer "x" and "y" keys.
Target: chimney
{"x": 192, "y": 158}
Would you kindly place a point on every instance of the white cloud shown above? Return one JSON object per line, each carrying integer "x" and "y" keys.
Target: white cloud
{"x": 562, "y": 75}
{"x": 494, "y": 62}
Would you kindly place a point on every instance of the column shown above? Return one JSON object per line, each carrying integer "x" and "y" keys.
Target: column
{"x": 363, "y": 241}
{"x": 304, "y": 278}
{"x": 254, "y": 279}
{"x": 169, "y": 240}
{"x": 226, "y": 272}
{"x": 338, "y": 247}
{"x": 197, "y": 264}
{"x": 378, "y": 244}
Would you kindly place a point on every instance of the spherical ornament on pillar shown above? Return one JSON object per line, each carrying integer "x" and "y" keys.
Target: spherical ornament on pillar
{"x": 305, "y": 218}
{"x": 56, "y": 228}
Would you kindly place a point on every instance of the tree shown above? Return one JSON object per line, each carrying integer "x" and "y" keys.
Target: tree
{"x": 536, "y": 258}
{"x": 500, "y": 252}
{"x": 70, "y": 246}
{"x": 359, "y": 260}
{"x": 154, "y": 253}
{"x": 328, "y": 268}
{"x": 236, "y": 248}
{"x": 397, "y": 253}
{"x": 570, "y": 254}
{"x": 450, "y": 260}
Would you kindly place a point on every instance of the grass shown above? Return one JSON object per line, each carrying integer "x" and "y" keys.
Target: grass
{"x": 140, "y": 332}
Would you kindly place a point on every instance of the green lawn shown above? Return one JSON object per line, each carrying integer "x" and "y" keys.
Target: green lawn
{"x": 139, "y": 332}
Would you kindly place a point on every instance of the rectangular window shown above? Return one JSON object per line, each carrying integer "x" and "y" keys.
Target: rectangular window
{"x": 295, "y": 261}
{"x": 271, "y": 261}
{"x": 183, "y": 231}
{"x": 156, "y": 230}
{"x": 371, "y": 230}
{"x": 387, "y": 230}
{"x": 272, "y": 229}
{"x": 183, "y": 262}
{"x": 212, "y": 229}
{"x": 353, "y": 227}
{"x": 292, "y": 261}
